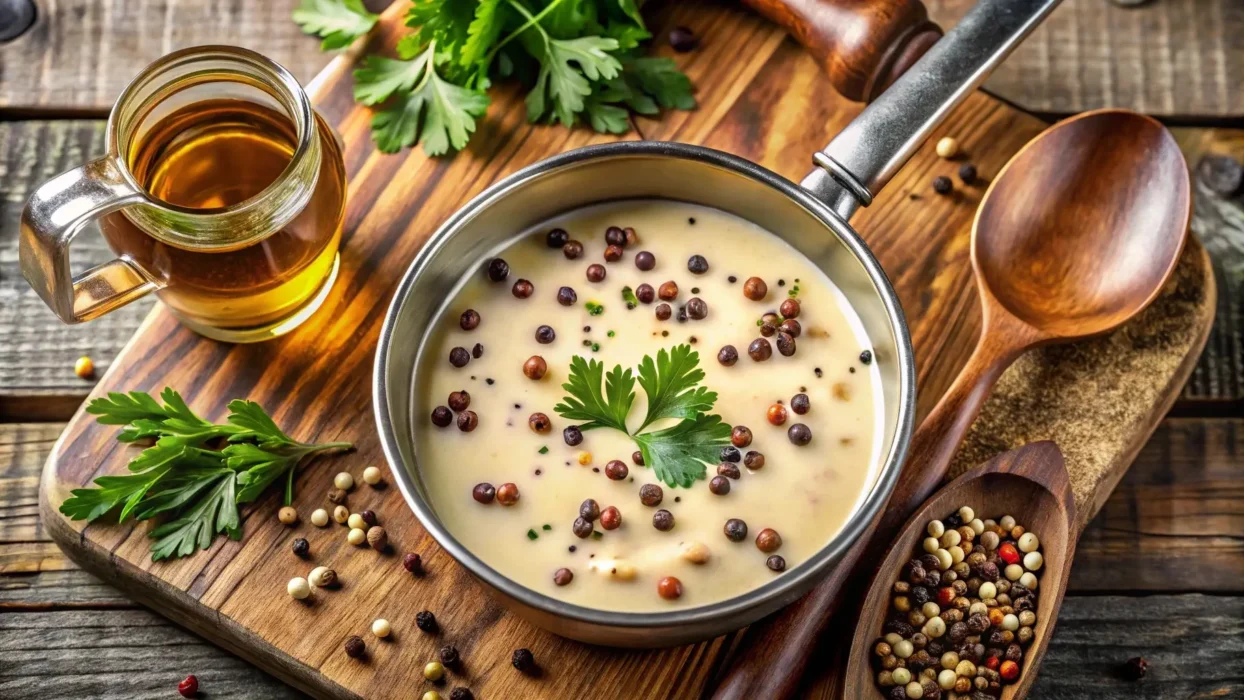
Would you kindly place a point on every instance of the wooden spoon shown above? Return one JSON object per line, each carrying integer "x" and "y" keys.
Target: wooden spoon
{"x": 1077, "y": 234}
{"x": 1029, "y": 483}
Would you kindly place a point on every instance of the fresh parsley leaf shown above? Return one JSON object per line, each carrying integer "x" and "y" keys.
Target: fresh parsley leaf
{"x": 437, "y": 112}
{"x": 670, "y": 384}
{"x": 564, "y": 65}
{"x": 660, "y": 78}
{"x": 446, "y": 23}
{"x": 338, "y": 22}
{"x": 677, "y": 455}
{"x": 119, "y": 409}
{"x": 380, "y": 77}
{"x": 215, "y": 512}
{"x": 587, "y": 403}
{"x": 108, "y": 493}
{"x": 482, "y": 34}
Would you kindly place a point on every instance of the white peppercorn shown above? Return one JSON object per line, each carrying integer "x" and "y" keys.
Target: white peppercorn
{"x": 341, "y": 514}
{"x": 944, "y": 560}
{"x": 977, "y": 526}
{"x": 1028, "y": 542}
{"x": 947, "y": 147}
{"x": 892, "y": 639}
{"x": 1027, "y": 618}
{"x": 914, "y": 690}
{"x": 1033, "y": 561}
{"x": 936, "y": 528}
{"x": 1010, "y": 623}
{"x": 946, "y": 679}
{"x": 987, "y": 592}
{"x": 956, "y": 554}
{"x": 934, "y": 628}
{"x": 1013, "y": 572}
{"x": 978, "y": 608}
{"x": 990, "y": 540}
{"x": 949, "y": 660}
{"x": 356, "y": 537}
{"x": 1028, "y": 580}
{"x": 931, "y": 609}
{"x": 319, "y": 517}
{"x": 434, "y": 671}
{"x": 356, "y": 520}
{"x": 287, "y": 516}
{"x": 322, "y": 577}
{"x": 695, "y": 552}
{"x": 900, "y": 676}
{"x": 903, "y": 649}
{"x": 930, "y": 545}
{"x": 966, "y": 668}
{"x": 950, "y": 538}
{"x": 381, "y": 627}
{"x": 298, "y": 588}
{"x": 343, "y": 481}
{"x": 1007, "y": 523}
{"x": 371, "y": 476}
{"x": 967, "y": 514}
{"x": 1024, "y": 635}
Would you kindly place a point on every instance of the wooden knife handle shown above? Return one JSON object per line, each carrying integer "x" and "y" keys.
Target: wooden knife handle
{"x": 864, "y": 45}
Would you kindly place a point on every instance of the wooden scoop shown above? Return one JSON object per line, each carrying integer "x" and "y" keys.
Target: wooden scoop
{"x": 1029, "y": 483}
{"x": 1076, "y": 235}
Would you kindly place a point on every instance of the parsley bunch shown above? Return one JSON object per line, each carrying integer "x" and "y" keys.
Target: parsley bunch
{"x": 182, "y": 477}
{"x": 678, "y": 453}
{"x": 579, "y": 59}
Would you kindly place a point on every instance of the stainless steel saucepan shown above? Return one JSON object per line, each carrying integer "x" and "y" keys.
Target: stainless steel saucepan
{"x": 811, "y": 216}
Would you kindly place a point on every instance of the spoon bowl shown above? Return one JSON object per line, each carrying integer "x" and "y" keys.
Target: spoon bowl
{"x": 1082, "y": 228}
{"x": 1029, "y": 483}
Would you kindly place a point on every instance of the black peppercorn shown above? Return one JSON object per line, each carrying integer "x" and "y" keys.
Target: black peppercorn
{"x": 556, "y": 238}
{"x": 484, "y": 493}
{"x": 942, "y": 184}
{"x": 449, "y": 655}
{"x": 413, "y": 563}
{"x": 915, "y": 574}
{"x": 719, "y": 485}
{"x": 730, "y": 453}
{"x": 477, "y": 351}
{"x": 728, "y": 355}
{"x": 651, "y": 495}
{"x": 866, "y": 357}
{"x": 581, "y": 528}
{"x": 616, "y": 470}
{"x": 523, "y": 289}
{"x": 459, "y": 357}
{"x": 663, "y": 312}
{"x": 301, "y": 548}
{"x": 786, "y": 344}
{"x": 1135, "y": 668}
{"x": 682, "y": 39}
{"x": 572, "y": 250}
{"x": 663, "y": 520}
{"x": 776, "y": 563}
{"x": 459, "y": 400}
{"x": 735, "y": 529}
{"x": 615, "y": 236}
{"x": 469, "y": 320}
{"x": 595, "y": 272}
{"x": 790, "y": 308}
{"x": 799, "y": 434}
{"x": 1222, "y": 174}
{"x": 442, "y": 416}
{"x": 967, "y": 173}
{"x": 645, "y": 293}
{"x": 498, "y": 270}
{"x": 523, "y": 660}
{"x": 589, "y": 510}
{"x": 645, "y": 261}
{"x": 461, "y": 693}
{"x": 768, "y": 329}
{"x": 572, "y": 435}
{"x": 369, "y": 517}
{"x": 697, "y": 264}
{"x": 566, "y": 296}
{"x": 760, "y": 350}
{"x": 729, "y": 470}
{"x": 637, "y": 457}
{"x": 799, "y": 403}
{"x": 1013, "y": 653}
{"x": 426, "y": 621}
{"x": 754, "y": 460}
{"x": 697, "y": 309}
{"x": 919, "y": 595}
{"x": 899, "y": 627}
{"x": 355, "y": 647}
{"x": 467, "y": 420}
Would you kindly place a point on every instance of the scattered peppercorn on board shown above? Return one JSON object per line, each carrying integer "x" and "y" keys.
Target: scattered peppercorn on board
{"x": 759, "y": 97}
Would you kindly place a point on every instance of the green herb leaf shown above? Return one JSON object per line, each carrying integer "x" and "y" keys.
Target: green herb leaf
{"x": 482, "y": 34}
{"x": 119, "y": 409}
{"x": 380, "y": 77}
{"x": 670, "y": 384}
{"x": 338, "y": 22}
{"x": 587, "y": 403}
{"x": 447, "y": 113}
{"x": 660, "y": 78}
{"x": 544, "y": 449}
{"x": 594, "y": 308}
{"x": 195, "y": 529}
{"x": 678, "y": 455}
{"x": 628, "y": 296}
{"x": 532, "y": 534}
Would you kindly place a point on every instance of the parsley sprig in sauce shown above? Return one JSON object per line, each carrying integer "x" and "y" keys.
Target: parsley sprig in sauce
{"x": 678, "y": 453}
{"x": 182, "y": 477}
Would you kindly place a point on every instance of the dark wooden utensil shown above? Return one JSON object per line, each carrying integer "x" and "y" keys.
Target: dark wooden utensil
{"x": 862, "y": 45}
{"x": 1029, "y": 483}
{"x": 1077, "y": 234}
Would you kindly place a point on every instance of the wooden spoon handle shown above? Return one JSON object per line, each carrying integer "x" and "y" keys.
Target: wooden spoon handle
{"x": 774, "y": 652}
{"x": 864, "y": 45}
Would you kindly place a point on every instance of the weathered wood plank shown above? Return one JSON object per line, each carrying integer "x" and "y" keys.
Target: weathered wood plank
{"x": 1193, "y": 644}
{"x": 1170, "y": 58}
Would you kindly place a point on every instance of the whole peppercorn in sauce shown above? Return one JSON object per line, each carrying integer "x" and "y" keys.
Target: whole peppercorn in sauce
{"x": 614, "y": 284}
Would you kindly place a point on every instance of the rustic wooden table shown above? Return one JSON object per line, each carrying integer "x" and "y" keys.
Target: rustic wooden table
{"x": 1158, "y": 573}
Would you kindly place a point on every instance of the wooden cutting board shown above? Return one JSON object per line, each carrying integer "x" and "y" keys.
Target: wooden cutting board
{"x": 760, "y": 97}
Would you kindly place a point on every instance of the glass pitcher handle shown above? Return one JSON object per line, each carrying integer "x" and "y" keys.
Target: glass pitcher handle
{"x": 55, "y": 214}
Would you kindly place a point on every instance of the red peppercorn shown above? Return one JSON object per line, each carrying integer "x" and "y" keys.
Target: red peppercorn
{"x": 777, "y": 414}
{"x": 945, "y": 596}
{"x": 1008, "y": 553}
{"x": 1009, "y": 670}
{"x": 189, "y": 687}
{"x": 992, "y": 663}
{"x": 669, "y": 588}
{"x": 610, "y": 518}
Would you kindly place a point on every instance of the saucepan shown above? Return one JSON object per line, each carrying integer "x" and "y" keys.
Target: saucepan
{"x": 811, "y": 216}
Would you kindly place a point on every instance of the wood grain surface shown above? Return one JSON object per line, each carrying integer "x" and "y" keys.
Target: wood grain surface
{"x": 773, "y": 108}
{"x": 1172, "y": 526}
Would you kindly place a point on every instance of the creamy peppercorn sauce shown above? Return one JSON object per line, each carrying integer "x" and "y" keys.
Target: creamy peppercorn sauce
{"x": 805, "y": 493}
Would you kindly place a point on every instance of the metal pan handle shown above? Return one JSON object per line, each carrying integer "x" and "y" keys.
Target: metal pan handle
{"x": 861, "y": 159}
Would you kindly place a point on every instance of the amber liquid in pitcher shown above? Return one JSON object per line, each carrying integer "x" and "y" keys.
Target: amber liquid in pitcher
{"x": 216, "y": 154}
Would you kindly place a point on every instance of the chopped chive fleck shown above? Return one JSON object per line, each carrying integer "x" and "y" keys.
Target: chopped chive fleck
{"x": 759, "y": 322}
{"x": 597, "y": 534}
{"x": 610, "y": 334}
{"x": 546, "y": 527}
{"x": 628, "y": 296}
{"x": 544, "y": 449}
{"x": 595, "y": 347}
{"x": 532, "y": 534}
{"x": 594, "y": 309}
